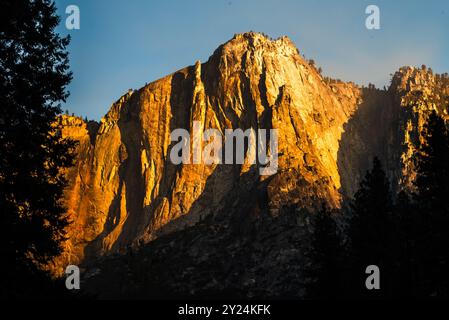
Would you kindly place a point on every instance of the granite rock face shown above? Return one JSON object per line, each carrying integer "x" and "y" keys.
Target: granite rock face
{"x": 124, "y": 189}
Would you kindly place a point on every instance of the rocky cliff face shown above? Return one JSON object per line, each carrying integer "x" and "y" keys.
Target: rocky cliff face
{"x": 125, "y": 190}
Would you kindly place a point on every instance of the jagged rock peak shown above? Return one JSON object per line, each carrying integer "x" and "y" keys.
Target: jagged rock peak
{"x": 422, "y": 88}
{"x": 256, "y": 38}
{"x": 253, "y": 41}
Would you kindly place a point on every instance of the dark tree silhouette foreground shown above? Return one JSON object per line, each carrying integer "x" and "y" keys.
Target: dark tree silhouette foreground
{"x": 325, "y": 256}
{"x": 432, "y": 201}
{"x": 370, "y": 230}
{"x": 34, "y": 73}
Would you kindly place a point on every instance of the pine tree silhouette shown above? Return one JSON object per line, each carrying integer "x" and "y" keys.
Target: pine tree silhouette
{"x": 369, "y": 231}
{"x": 33, "y": 76}
{"x": 325, "y": 257}
{"x": 432, "y": 194}
{"x": 405, "y": 227}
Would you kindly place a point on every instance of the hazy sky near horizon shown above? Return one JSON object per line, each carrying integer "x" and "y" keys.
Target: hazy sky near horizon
{"x": 125, "y": 44}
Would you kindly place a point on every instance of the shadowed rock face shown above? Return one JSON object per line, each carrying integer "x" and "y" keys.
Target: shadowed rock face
{"x": 125, "y": 190}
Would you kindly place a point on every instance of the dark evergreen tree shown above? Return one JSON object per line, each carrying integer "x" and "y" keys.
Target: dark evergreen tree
{"x": 325, "y": 258}
{"x": 33, "y": 78}
{"x": 369, "y": 232}
{"x": 405, "y": 228}
{"x": 432, "y": 194}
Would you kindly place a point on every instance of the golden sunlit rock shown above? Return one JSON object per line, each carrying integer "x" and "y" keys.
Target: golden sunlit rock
{"x": 125, "y": 190}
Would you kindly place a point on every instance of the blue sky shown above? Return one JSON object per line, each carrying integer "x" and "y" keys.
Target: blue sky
{"x": 125, "y": 44}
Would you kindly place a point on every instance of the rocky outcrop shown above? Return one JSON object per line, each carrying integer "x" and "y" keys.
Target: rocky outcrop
{"x": 125, "y": 190}
{"x": 388, "y": 123}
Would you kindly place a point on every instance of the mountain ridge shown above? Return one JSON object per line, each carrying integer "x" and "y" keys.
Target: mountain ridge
{"x": 124, "y": 191}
